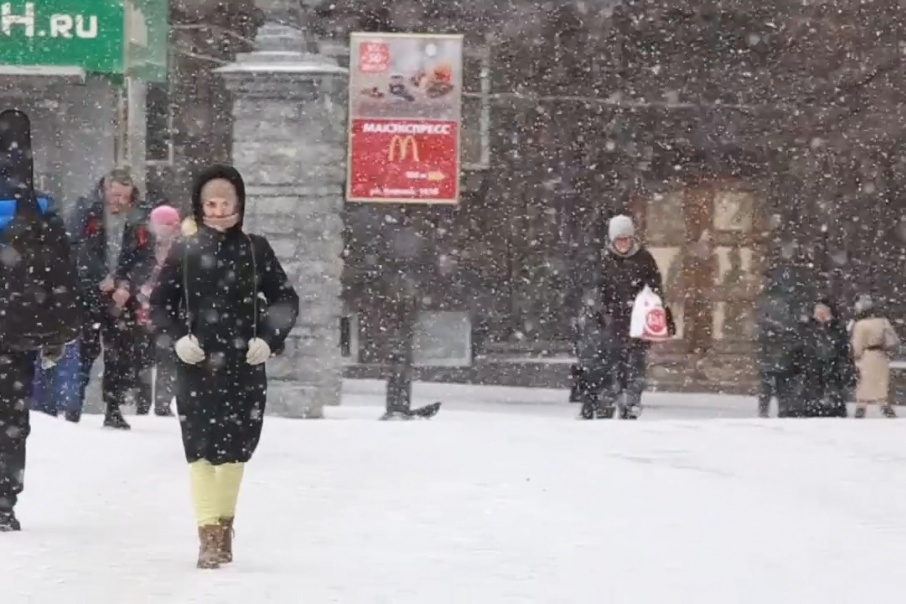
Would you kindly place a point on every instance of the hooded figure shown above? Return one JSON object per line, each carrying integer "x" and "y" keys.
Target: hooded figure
{"x": 224, "y": 303}
{"x": 783, "y": 311}
{"x": 827, "y": 364}
{"x": 874, "y": 340}
{"x": 626, "y": 269}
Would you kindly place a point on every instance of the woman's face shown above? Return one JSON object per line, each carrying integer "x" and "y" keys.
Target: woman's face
{"x": 218, "y": 207}
{"x": 823, "y": 313}
{"x": 622, "y": 244}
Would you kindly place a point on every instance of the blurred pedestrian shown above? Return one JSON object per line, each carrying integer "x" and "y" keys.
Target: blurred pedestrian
{"x": 874, "y": 341}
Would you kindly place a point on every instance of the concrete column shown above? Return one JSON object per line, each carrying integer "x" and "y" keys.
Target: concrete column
{"x": 289, "y": 142}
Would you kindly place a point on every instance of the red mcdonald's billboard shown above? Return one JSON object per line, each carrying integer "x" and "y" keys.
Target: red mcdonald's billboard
{"x": 405, "y": 95}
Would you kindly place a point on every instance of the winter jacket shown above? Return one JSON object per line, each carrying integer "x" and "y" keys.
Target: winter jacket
{"x": 873, "y": 341}
{"x": 622, "y": 278}
{"x": 827, "y": 363}
{"x": 46, "y": 205}
{"x": 87, "y": 233}
{"x": 783, "y": 311}
{"x": 224, "y": 288}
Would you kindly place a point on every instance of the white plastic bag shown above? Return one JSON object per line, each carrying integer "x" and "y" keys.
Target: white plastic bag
{"x": 649, "y": 319}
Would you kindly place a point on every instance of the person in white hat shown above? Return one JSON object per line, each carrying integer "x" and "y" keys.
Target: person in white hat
{"x": 627, "y": 267}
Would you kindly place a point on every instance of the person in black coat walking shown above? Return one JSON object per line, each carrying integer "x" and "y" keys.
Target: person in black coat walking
{"x": 827, "y": 363}
{"x": 626, "y": 269}
{"x": 208, "y": 305}
{"x": 783, "y": 310}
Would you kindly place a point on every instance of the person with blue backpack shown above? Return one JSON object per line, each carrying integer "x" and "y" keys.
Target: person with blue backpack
{"x": 40, "y": 312}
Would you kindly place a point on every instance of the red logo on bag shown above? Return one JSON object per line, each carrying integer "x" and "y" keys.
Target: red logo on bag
{"x": 656, "y": 320}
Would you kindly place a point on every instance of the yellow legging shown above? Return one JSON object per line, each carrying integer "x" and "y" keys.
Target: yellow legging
{"x": 215, "y": 490}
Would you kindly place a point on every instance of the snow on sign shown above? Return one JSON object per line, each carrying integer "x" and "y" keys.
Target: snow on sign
{"x": 405, "y": 97}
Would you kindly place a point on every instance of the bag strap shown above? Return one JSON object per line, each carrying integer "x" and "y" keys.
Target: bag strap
{"x": 185, "y": 286}
{"x": 254, "y": 286}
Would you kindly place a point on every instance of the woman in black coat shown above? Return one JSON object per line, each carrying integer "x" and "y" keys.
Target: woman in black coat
{"x": 224, "y": 303}
{"x": 827, "y": 363}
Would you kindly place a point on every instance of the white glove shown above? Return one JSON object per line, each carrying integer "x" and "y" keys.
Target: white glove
{"x": 258, "y": 352}
{"x": 188, "y": 350}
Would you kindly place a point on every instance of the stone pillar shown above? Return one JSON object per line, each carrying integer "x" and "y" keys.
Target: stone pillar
{"x": 289, "y": 143}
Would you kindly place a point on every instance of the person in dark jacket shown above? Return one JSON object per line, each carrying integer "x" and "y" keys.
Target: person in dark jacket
{"x": 109, "y": 235}
{"x": 17, "y": 374}
{"x": 224, "y": 303}
{"x": 626, "y": 269}
{"x": 827, "y": 363}
{"x": 783, "y": 310}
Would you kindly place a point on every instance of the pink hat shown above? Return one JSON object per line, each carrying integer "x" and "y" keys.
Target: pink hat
{"x": 165, "y": 216}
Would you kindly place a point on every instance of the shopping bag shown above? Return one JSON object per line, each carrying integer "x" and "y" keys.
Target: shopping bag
{"x": 649, "y": 318}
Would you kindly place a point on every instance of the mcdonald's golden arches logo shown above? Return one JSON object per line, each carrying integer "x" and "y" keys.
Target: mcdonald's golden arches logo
{"x": 403, "y": 144}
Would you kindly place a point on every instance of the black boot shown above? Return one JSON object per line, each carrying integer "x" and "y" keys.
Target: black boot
{"x": 114, "y": 419}
{"x": 590, "y": 403}
{"x": 73, "y": 416}
{"x": 8, "y": 522}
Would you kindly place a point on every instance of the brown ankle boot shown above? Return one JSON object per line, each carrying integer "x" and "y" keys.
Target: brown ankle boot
{"x": 226, "y": 540}
{"x": 209, "y": 546}
{"x": 889, "y": 411}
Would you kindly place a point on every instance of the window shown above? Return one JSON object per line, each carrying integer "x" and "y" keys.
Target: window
{"x": 476, "y": 111}
{"x": 159, "y": 135}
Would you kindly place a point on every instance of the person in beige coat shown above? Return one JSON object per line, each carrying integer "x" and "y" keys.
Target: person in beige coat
{"x": 874, "y": 341}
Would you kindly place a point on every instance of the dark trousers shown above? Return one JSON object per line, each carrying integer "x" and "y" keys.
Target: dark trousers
{"x": 120, "y": 364}
{"x": 165, "y": 384}
{"x": 17, "y": 374}
{"x": 614, "y": 373}
{"x": 157, "y": 390}
{"x": 629, "y": 365}
{"x": 782, "y": 386}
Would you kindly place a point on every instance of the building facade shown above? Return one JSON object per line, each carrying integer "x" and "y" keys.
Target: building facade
{"x": 80, "y": 71}
{"x": 726, "y": 129}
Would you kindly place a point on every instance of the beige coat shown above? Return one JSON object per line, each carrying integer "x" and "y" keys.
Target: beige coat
{"x": 873, "y": 340}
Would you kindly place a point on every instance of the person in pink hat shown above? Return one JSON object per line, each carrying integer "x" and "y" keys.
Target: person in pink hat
{"x": 164, "y": 224}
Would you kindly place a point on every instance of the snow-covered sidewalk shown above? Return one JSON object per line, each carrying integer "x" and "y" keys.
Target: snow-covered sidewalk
{"x": 512, "y": 501}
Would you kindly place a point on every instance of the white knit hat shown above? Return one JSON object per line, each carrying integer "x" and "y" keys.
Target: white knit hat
{"x": 620, "y": 226}
{"x": 864, "y": 303}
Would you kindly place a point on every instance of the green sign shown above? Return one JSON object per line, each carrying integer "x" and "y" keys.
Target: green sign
{"x": 101, "y": 36}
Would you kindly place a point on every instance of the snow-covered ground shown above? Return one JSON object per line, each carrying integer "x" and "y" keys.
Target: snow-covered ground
{"x": 503, "y": 497}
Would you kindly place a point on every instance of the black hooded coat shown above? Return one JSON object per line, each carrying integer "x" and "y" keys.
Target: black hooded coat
{"x": 225, "y": 288}
{"x": 827, "y": 364}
